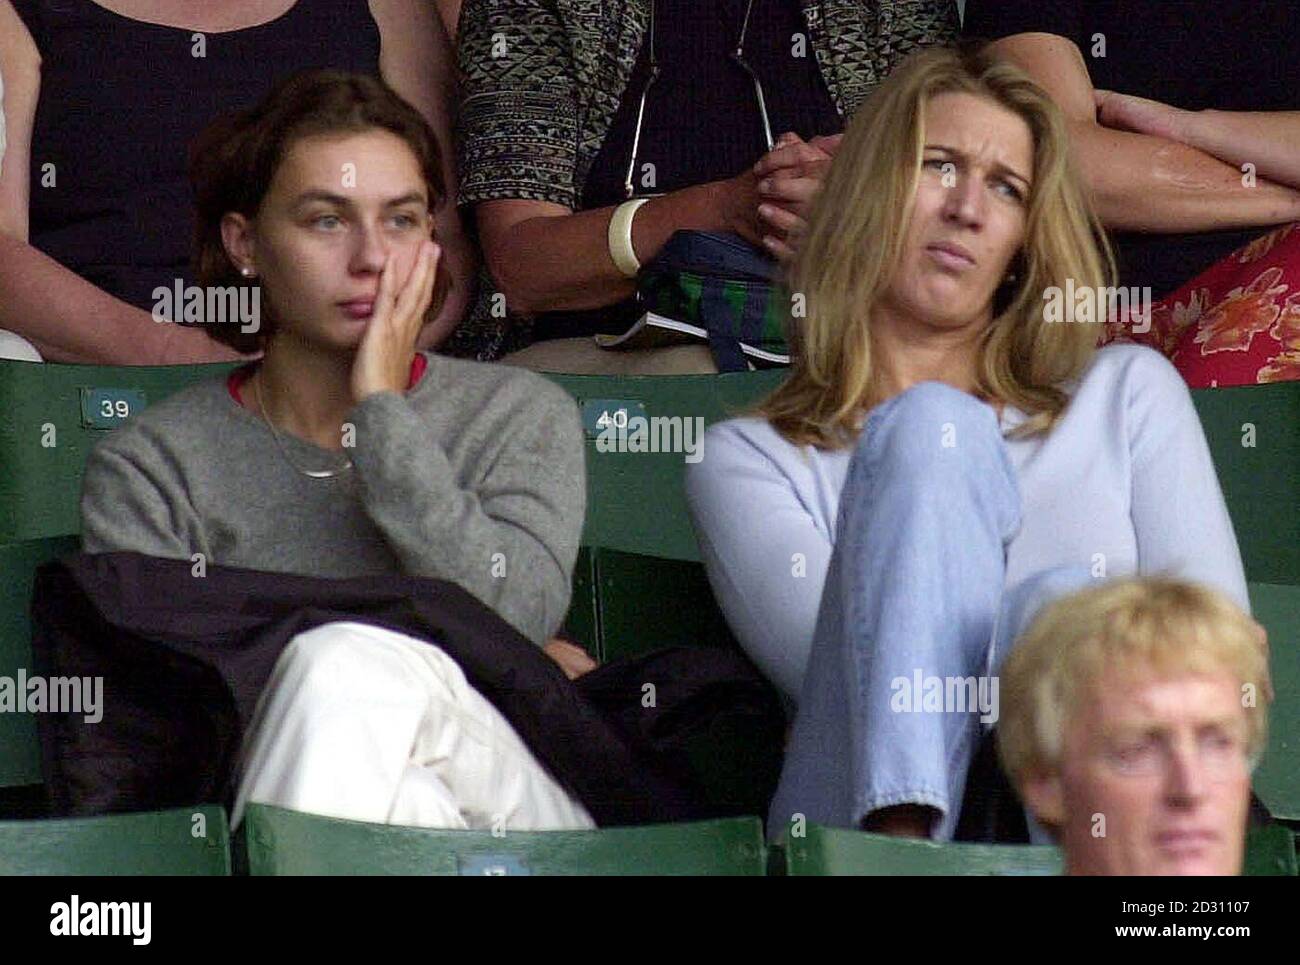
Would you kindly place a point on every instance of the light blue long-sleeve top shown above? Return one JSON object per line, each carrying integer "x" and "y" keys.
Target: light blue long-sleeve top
{"x": 1123, "y": 484}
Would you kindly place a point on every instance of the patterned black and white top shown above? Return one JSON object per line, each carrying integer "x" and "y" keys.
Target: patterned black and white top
{"x": 541, "y": 82}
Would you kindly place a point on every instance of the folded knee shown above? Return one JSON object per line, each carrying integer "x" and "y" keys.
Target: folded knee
{"x": 931, "y": 426}
{"x": 337, "y": 662}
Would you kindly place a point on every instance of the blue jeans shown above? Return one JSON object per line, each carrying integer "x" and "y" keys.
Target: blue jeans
{"x": 914, "y": 594}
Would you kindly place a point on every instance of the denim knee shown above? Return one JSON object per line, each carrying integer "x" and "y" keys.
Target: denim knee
{"x": 929, "y": 426}
{"x": 927, "y": 439}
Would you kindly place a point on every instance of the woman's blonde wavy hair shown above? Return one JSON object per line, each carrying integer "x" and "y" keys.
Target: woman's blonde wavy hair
{"x": 854, "y": 245}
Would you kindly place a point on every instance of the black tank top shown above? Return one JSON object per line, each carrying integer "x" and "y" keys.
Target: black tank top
{"x": 702, "y": 121}
{"x": 120, "y": 102}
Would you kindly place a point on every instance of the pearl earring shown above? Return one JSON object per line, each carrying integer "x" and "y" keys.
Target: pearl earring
{"x": 247, "y": 271}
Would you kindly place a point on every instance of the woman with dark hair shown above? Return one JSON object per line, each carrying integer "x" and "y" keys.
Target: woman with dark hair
{"x": 102, "y": 100}
{"x": 347, "y": 452}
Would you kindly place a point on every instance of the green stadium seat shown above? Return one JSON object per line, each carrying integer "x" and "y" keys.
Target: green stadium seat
{"x": 1271, "y": 851}
{"x": 1254, "y": 436}
{"x": 836, "y": 851}
{"x": 1277, "y": 780}
{"x": 185, "y": 841}
{"x": 583, "y": 619}
{"x": 20, "y": 759}
{"x": 282, "y": 842}
{"x": 54, "y": 415}
{"x": 635, "y": 501}
{"x": 646, "y": 602}
{"x": 639, "y": 585}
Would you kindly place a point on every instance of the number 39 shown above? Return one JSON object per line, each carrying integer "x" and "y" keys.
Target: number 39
{"x": 111, "y": 409}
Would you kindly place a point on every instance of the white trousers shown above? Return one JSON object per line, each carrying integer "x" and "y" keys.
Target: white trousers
{"x": 363, "y": 723}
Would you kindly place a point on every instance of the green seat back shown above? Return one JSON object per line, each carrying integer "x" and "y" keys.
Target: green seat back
{"x": 1277, "y": 780}
{"x": 20, "y": 758}
{"x": 282, "y": 842}
{"x": 1270, "y": 851}
{"x": 646, "y": 602}
{"x": 185, "y": 841}
{"x": 1254, "y": 436}
{"x": 635, "y": 501}
{"x": 45, "y": 434}
{"x": 836, "y": 851}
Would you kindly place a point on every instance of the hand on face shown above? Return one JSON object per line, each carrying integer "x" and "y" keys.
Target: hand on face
{"x": 383, "y": 361}
{"x": 344, "y": 215}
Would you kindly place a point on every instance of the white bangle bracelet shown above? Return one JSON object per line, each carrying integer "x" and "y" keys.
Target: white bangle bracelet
{"x": 620, "y": 237}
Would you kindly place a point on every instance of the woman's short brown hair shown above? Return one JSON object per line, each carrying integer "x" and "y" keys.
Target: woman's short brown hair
{"x": 234, "y": 160}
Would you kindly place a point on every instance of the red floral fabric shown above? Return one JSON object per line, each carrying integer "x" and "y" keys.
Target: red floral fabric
{"x": 1237, "y": 323}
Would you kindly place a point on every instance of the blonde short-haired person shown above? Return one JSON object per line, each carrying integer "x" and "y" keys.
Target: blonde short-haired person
{"x": 942, "y": 453}
{"x": 1132, "y": 716}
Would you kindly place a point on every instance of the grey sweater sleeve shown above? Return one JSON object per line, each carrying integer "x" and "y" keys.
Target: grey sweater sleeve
{"x": 128, "y": 505}
{"x": 511, "y": 539}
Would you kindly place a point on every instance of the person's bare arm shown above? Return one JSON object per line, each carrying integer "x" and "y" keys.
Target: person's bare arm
{"x": 416, "y": 60}
{"x": 66, "y": 317}
{"x": 1139, "y": 182}
{"x": 22, "y": 66}
{"x": 1270, "y": 140}
{"x": 1267, "y": 140}
{"x": 545, "y": 257}
{"x": 70, "y": 320}
{"x": 449, "y": 10}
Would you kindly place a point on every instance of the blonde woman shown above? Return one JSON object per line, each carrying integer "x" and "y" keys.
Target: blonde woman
{"x": 942, "y": 457}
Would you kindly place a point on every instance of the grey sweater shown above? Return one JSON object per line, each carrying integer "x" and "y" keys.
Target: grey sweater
{"x": 474, "y": 476}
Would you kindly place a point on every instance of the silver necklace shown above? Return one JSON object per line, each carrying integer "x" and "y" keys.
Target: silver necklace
{"x": 310, "y": 473}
